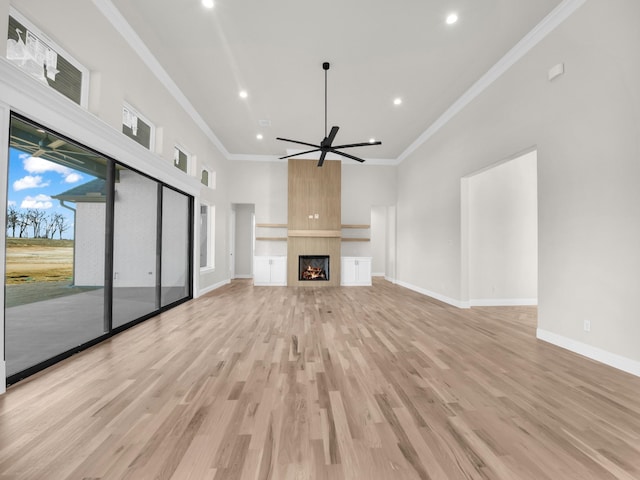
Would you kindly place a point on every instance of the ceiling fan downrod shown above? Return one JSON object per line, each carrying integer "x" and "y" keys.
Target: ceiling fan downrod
{"x": 325, "y": 67}
{"x": 326, "y": 145}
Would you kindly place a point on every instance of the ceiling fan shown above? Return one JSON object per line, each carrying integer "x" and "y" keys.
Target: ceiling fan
{"x": 46, "y": 145}
{"x": 49, "y": 149}
{"x": 326, "y": 145}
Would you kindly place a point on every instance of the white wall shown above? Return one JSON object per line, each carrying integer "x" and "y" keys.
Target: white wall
{"x": 265, "y": 185}
{"x": 585, "y": 127}
{"x": 503, "y": 234}
{"x": 363, "y": 188}
{"x": 378, "y": 241}
{"x": 244, "y": 240}
{"x": 391, "y": 242}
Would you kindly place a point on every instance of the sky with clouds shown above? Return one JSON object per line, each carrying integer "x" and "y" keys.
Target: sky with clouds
{"x": 34, "y": 180}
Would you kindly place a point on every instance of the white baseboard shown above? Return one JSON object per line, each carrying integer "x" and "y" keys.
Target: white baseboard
{"x": 211, "y": 288}
{"x": 244, "y": 276}
{"x": 437, "y": 296}
{"x": 613, "y": 360}
{"x": 503, "y": 302}
{"x": 381, "y": 274}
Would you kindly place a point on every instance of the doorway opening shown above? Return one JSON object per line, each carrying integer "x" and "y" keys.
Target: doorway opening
{"x": 500, "y": 233}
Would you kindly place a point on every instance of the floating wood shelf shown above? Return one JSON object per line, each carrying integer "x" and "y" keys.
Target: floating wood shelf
{"x": 355, "y": 239}
{"x": 315, "y": 233}
{"x": 272, "y": 238}
{"x": 284, "y": 225}
{"x": 356, "y": 226}
{"x": 271, "y": 225}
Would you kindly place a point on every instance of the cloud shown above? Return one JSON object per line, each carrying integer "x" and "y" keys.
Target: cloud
{"x": 40, "y": 165}
{"x": 11, "y": 203}
{"x": 73, "y": 178}
{"x": 39, "y": 201}
{"x": 29, "y": 182}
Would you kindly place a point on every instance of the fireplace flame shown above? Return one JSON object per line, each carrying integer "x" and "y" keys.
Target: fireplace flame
{"x": 313, "y": 273}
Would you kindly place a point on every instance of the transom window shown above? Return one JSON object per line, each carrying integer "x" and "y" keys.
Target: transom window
{"x": 43, "y": 59}
{"x": 136, "y": 127}
{"x": 205, "y": 177}
{"x": 181, "y": 159}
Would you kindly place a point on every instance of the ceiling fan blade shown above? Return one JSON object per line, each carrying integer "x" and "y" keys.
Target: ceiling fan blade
{"x": 300, "y": 153}
{"x": 71, "y": 152}
{"x": 296, "y": 141}
{"x": 322, "y": 155}
{"x": 332, "y": 134}
{"x": 363, "y": 144}
{"x": 56, "y": 143}
{"x": 337, "y": 152}
{"x": 62, "y": 158}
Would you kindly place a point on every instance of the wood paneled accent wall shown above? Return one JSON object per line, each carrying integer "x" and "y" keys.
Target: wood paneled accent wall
{"x": 314, "y": 217}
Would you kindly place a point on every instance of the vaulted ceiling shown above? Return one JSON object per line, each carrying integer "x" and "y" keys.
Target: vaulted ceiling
{"x": 378, "y": 50}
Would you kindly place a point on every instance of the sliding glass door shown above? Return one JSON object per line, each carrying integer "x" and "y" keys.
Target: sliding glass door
{"x": 55, "y": 246}
{"x": 92, "y": 246}
{"x": 176, "y": 258}
{"x": 135, "y": 247}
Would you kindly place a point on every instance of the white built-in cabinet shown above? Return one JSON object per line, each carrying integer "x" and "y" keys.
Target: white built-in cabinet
{"x": 355, "y": 271}
{"x": 270, "y": 270}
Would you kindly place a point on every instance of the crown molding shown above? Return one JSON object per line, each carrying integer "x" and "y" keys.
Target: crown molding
{"x": 240, "y": 157}
{"x": 558, "y": 15}
{"x": 113, "y": 15}
{"x": 27, "y": 96}
{"x": 539, "y": 32}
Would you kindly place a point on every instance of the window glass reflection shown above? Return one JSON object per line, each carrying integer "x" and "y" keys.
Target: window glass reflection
{"x": 134, "y": 246}
{"x": 54, "y": 280}
{"x": 176, "y": 220}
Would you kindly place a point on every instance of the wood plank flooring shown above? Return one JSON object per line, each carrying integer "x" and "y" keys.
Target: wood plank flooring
{"x": 324, "y": 383}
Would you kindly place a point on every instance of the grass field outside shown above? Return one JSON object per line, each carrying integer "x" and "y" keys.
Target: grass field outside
{"x": 35, "y": 260}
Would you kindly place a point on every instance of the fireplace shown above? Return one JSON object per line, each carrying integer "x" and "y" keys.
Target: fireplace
{"x": 313, "y": 268}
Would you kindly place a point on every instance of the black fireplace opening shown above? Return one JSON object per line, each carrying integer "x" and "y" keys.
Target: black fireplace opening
{"x": 313, "y": 268}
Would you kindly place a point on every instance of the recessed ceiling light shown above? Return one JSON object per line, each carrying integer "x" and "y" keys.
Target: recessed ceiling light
{"x": 452, "y": 18}
{"x": 372, "y": 140}
{"x": 259, "y": 136}
{"x": 207, "y": 3}
{"x": 243, "y": 94}
{"x": 397, "y": 101}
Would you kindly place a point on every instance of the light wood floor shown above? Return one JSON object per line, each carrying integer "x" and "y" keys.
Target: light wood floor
{"x": 334, "y": 383}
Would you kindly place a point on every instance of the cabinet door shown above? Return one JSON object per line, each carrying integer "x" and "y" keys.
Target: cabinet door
{"x": 261, "y": 271}
{"x": 279, "y": 271}
{"x": 348, "y": 271}
{"x": 363, "y": 271}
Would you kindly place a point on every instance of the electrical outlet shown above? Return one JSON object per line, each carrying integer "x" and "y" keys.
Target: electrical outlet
{"x": 587, "y": 325}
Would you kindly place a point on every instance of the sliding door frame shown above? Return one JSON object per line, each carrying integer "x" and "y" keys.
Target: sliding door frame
{"x": 109, "y": 254}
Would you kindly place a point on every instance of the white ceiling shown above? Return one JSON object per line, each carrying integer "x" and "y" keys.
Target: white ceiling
{"x": 378, "y": 50}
